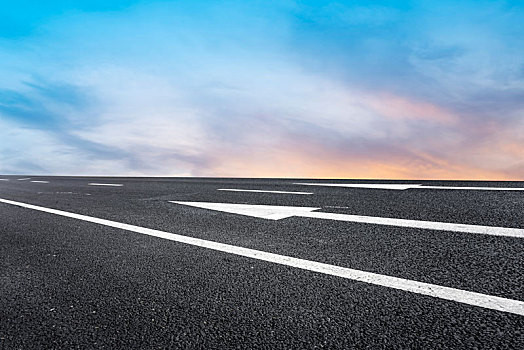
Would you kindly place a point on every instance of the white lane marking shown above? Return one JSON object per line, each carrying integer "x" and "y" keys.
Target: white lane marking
{"x": 429, "y": 225}
{"x": 473, "y": 188}
{"x": 25, "y": 178}
{"x": 4, "y": 179}
{"x": 261, "y": 191}
{"x": 101, "y": 184}
{"x": 410, "y": 186}
{"x": 280, "y": 212}
{"x": 433, "y": 290}
{"x": 40, "y": 181}
{"x": 375, "y": 186}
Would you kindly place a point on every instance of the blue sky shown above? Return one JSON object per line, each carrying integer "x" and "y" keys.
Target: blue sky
{"x": 392, "y": 89}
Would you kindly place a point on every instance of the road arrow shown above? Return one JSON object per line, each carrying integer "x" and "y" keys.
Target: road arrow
{"x": 273, "y": 212}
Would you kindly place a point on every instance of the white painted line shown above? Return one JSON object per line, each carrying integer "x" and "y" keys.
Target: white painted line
{"x": 261, "y": 191}
{"x": 433, "y": 290}
{"x": 374, "y": 186}
{"x": 25, "y": 178}
{"x": 473, "y": 188}
{"x": 410, "y": 186}
{"x": 281, "y": 212}
{"x": 4, "y": 179}
{"x": 428, "y": 225}
{"x": 99, "y": 184}
{"x": 40, "y": 182}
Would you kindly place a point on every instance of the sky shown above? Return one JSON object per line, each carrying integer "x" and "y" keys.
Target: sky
{"x": 321, "y": 89}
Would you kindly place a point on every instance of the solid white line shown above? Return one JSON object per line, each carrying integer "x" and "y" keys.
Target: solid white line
{"x": 447, "y": 293}
{"x": 410, "y": 186}
{"x": 374, "y": 186}
{"x": 276, "y": 212}
{"x": 99, "y": 184}
{"x": 261, "y": 191}
{"x": 40, "y": 182}
{"x": 472, "y": 188}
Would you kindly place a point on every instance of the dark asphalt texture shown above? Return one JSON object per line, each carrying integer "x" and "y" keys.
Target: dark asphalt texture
{"x": 68, "y": 284}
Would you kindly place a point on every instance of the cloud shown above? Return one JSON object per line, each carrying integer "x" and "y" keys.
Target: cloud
{"x": 250, "y": 89}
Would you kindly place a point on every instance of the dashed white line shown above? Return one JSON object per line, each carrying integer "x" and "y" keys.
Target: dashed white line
{"x": 433, "y": 290}
{"x": 40, "y": 181}
{"x": 4, "y": 179}
{"x": 261, "y": 191}
{"x": 25, "y": 178}
{"x": 102, "y": 184}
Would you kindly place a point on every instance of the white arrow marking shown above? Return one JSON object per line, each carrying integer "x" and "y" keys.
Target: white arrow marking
{"x": 462, "y": 296}
{"x": 281, "y": 212}
{"x": 272, "y": 212}
{"x": 410, "y": 186}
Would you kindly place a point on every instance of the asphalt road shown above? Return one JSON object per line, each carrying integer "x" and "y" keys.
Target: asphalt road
{"x": 67, "y": 283}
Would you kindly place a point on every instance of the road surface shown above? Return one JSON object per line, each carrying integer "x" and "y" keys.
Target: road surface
{"x": 161, "y": 263}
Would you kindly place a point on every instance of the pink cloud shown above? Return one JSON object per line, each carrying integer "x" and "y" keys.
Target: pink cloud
{"x": 402, "y": 108}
